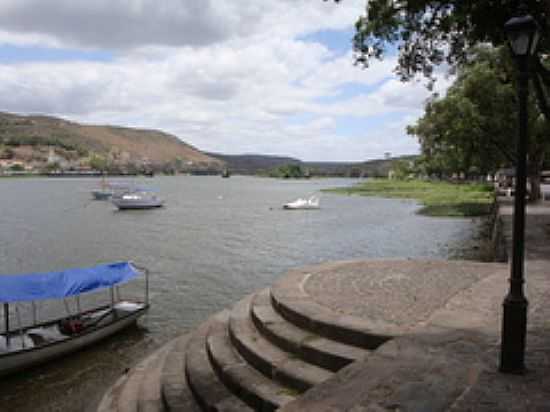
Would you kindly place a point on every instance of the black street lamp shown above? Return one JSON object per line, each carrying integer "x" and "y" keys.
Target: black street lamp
{"x": 523, "y": 35}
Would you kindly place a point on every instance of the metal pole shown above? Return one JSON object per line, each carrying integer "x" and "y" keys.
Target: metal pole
{"x": 112, "y": 292}
{"x": 514, "y": 321}
{"x": 34, "y": 313}
{"x": 146, "y": 287}
{"x": 7, "y": 322}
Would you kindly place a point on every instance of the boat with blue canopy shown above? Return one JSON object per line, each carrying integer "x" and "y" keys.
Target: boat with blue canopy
{"x": 87, "y": 317}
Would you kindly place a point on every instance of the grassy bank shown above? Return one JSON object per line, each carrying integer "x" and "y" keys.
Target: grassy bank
{"x": 437, "y": 198}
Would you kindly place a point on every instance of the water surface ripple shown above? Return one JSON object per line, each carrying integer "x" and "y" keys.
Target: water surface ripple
{"x": 215, "y": 241}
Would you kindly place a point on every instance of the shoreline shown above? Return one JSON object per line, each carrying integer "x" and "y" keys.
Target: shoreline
{"x": 438, "y": 198}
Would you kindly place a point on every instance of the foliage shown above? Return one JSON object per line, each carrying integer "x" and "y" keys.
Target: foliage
{"x": 429, "y": 33}
{"x": 16, "y": 168}
{"x": 437, "y": 197}
{"x": 35, "y": 140}
{"x": 52, "y": 167}
{"x": 468, "y": 131}
{"x": 98, "y": 162}
{"x": 288, "y": 171}
{"x": 402, "y": 169}
{"x": 7, "y": 153}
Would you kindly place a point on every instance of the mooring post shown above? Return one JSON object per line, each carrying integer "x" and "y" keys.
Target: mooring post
{"x": 7, "y": 322}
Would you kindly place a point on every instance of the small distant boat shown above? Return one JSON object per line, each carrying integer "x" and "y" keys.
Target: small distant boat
{"x": 137, "y": 199}
{"x": 101, "y": 194}
{"x": 303, "y": 204}
{"x": 26, "y": 346}
{"x": 226, "y": 173}
{"x": 104, "y": 192}
{"x": 108, "y": 189}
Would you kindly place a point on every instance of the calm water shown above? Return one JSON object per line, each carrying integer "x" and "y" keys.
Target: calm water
{"x": 215, "y": 241}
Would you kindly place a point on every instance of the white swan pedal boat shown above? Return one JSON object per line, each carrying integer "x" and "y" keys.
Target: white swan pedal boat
{"x": 303, "y": 204}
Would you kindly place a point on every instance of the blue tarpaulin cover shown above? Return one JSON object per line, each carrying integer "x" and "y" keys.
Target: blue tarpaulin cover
{"x": 70, "y": 282}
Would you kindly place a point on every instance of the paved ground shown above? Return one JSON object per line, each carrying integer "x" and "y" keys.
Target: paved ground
{"x": 449, "y": 317}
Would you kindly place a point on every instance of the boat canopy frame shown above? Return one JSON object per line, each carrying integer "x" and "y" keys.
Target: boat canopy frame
{"x": 66, "y": 283}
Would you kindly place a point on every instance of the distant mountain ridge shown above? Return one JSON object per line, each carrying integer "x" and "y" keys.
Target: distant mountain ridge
{"x": 38, "y": 143}
{"x": 257, "y": 163}
{"x": 253, "y": 163}
{"x": 73, "y": 140}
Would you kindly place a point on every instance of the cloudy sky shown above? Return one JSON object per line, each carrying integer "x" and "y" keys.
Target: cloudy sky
{"x": 230, "y": 76}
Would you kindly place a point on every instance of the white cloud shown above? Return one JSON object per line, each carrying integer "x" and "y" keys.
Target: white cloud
{"x": 126, "y": 24}
{"x": 255, "y": 88}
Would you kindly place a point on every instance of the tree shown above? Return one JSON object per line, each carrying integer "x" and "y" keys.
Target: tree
{"x": 288, "y": 171}
{"x": 468, "y": 131}
{"x": 99, "y": 163}
{"x": 431, "y": 33}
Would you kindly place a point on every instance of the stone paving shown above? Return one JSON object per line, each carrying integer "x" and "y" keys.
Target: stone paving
{"x": 448, "y": 359}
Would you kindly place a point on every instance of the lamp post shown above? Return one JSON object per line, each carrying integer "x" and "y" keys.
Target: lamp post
{"x": 522, "y": 32}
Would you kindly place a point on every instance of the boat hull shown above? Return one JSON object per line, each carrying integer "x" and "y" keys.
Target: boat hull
{"x": 289, "y": 207}
{"x": 98, "y": 195}
{"x": 122, "y": 205}
{"x": 25, "y": 358}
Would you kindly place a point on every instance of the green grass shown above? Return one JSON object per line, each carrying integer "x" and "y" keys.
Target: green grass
{"x": 438, "y": 198}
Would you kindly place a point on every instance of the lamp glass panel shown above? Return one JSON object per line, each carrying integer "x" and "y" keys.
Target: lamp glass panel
{"x": 519, "y": 42}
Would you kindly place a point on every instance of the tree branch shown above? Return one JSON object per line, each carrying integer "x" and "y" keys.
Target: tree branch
{"x": 542, "y": 101}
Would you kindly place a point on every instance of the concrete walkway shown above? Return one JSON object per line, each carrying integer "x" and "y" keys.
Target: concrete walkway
{"x": 383, "y": 335}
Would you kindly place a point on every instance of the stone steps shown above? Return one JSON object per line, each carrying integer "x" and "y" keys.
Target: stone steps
{"x": 258, "y": 391}
{"x": 138, "y": 390}
{"x": 174, "y": 386}
{"x": 310, "y": 347}
{"x": 208, "y": 390}
{"x": 297, "y": 307}
{"x": 275, "y": 363}
{"x": 253, "y": 357}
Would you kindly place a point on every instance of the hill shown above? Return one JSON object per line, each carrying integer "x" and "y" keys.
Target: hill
{"x": 42, "y": 140}
{"x": 253, "y": 163}
{"x": 263, "y": 164}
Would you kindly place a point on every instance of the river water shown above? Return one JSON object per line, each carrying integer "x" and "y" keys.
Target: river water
{"x": 214, "y": 242}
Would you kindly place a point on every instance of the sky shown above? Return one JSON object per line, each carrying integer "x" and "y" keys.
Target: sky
{"x": 229, "y": 76}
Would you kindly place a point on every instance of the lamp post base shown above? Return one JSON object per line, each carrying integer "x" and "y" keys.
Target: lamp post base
{"x": 514, "y": 326}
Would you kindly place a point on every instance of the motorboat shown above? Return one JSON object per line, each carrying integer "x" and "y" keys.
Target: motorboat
{"x": 303, "y": 204}
{"x": 137, "y": 199}
{"x": 37, "y": 342}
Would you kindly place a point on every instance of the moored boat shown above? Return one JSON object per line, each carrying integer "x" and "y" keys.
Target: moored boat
{"x": 303, "y": 204}
{"x": 29, "y": 345}
{"x": 137, "y": 199}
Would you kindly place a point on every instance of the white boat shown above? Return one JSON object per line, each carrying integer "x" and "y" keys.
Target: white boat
{"x": 29, "y": 345}
{"x": 137, "y": 199}
{"x": 300, "y": 204}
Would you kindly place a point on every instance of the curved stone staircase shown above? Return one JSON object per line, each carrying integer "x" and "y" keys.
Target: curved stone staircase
{"x": 262, "y": 354}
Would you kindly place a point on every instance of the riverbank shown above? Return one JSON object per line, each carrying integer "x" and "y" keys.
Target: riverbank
{"x": 360, "y": 335}
{"x": 438, "y": 198}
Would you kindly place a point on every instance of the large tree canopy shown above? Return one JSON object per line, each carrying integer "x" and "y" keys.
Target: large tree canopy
{"x": 430, "y": 33}
{"x": 468, "y": 131}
